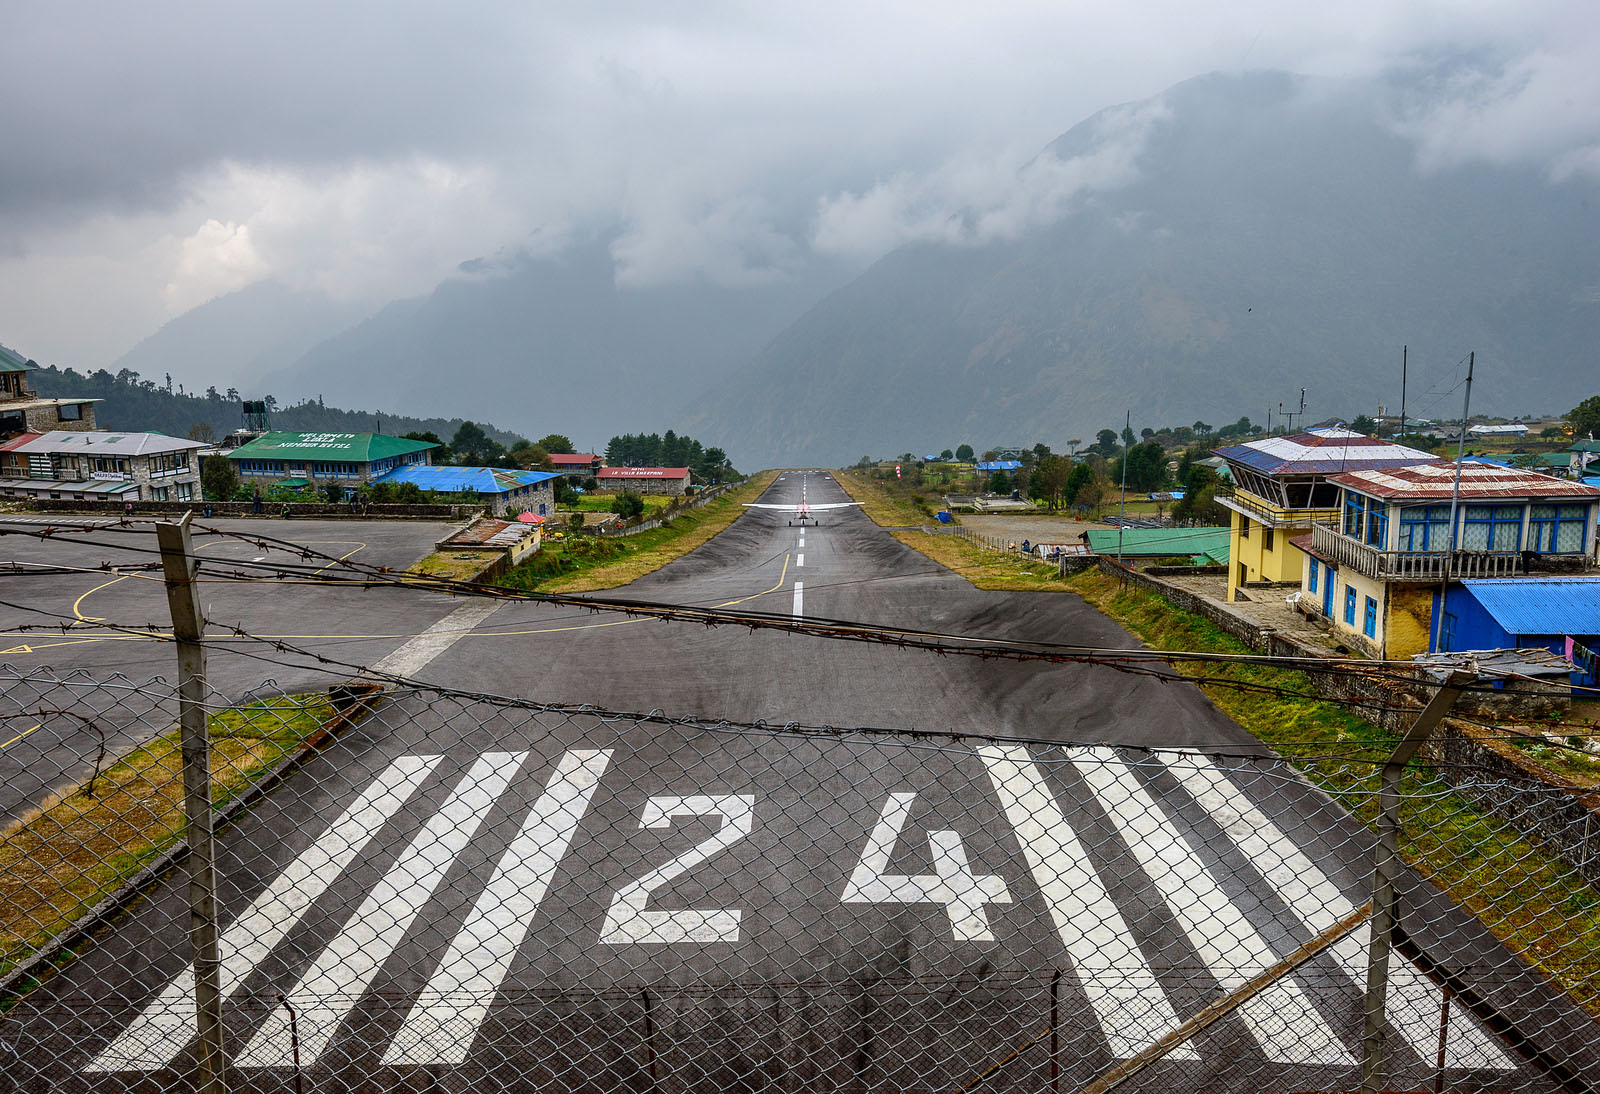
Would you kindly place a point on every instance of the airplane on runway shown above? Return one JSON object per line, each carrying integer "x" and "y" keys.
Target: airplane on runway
{"x": 803, "y": 511}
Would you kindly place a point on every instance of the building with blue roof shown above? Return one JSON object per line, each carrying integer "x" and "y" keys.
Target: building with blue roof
{"x": 999, "y": 465}
{"x": 501, "y": 489}
{"x": 1557, "y": 614}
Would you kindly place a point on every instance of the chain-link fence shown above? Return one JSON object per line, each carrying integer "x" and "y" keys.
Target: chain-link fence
{"x": 425, "y": 890}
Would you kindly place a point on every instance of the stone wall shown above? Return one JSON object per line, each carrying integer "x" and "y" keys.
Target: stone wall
{"x": 268, "y": 509}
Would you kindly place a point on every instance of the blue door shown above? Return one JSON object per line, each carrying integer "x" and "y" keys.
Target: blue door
{"x": 1327, "y": 592}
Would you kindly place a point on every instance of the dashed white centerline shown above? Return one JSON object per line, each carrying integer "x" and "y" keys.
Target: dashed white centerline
{"x": 802, "y": 542}
{"x": 799, "y": 597}
{"x": 799, "y": 561}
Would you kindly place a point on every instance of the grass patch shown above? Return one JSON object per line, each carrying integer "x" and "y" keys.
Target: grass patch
{"x": 985, "y": 568}
{"x": 1530, "y": 899}
{"x": 885, "y": 503}
{"x": 453, "y": 565}
{"x": 580, "y": 564}
{"x": 601, "y": 503}
{"x": 75, "y": 850}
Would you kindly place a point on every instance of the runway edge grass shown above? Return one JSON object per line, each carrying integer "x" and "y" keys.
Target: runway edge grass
{"x": 1532, "y": 901}
{"x": 582, "y": 564}
{"x": 60, "y": 860}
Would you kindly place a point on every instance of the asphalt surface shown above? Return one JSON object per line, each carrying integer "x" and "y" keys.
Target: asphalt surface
{"x": 106, "y": 672}
{"x": 464, "y": 894}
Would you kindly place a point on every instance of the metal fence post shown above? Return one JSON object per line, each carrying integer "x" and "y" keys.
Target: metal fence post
{"x": 178, "y": 567}
{"x": 1385, "y": 872}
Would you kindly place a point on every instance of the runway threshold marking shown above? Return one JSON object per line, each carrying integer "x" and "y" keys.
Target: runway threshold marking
{"x": 1102, "y": 947}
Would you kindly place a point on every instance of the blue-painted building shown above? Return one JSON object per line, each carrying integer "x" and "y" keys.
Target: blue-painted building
{"x": 503, "y": 490}
{"x": 1525, "y": 613}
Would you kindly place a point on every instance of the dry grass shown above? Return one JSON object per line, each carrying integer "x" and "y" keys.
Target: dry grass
{"x": 454, "y": 565}
{"x": 645, "y": 552}
{"x": 77, "y": 848}
{"x": 886, "y": 505}
{"x": 985, "y": 568}
{"x": 1529, "y": 898}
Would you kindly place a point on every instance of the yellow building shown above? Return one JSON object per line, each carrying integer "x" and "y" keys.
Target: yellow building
{"x": 1374, "y": 572}
{"x": 1281, "y": 490}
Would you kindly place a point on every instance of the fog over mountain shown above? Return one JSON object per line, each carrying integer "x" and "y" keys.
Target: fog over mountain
{"x": 1252, "y": 235}
{"x": 553, "y": 345}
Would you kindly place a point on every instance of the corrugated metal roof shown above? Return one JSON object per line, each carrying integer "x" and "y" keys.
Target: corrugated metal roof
{"x": 564, "y": 458}
{"x": 456, "y": 480}
{"x": 1321, "y": 452}
{"x": 1478, "y": 480}
{"x": 345, "y": 447}
{"x": 999, "y": 465}
{"x": 12, "y": 361}
{"x": 1144, "y": 542}
{"x": 106, "y": 443}
{"x": 1541, "y": 605}
{"x": 18, "y": 441}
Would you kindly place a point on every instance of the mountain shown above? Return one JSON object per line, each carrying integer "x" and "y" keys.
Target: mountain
{"x": 553, "y": 345}
{"x": 233, "y": 340}
{"x": 1274, "y": 233}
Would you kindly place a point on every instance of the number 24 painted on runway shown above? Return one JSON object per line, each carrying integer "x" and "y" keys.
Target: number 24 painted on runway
{"x": 953, "y": 884}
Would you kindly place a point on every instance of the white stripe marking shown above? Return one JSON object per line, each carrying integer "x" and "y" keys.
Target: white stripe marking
{"x": 345, "y": 968}
{"x": 1289, "y": 1028}
{"x": 799, "y": 597}
{"x": 447, "y": 1015}
{"x": 415, "y": 655}
{"x": 1414, "y": 1000}
{"x": 802, "y": 542}
{"x": 1126, "y": 997}
{"x": 799, "y": 561}
{"x": 167, "y": 1023}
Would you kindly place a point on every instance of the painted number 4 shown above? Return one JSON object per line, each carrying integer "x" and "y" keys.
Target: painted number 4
{"x": 952, "y": 883}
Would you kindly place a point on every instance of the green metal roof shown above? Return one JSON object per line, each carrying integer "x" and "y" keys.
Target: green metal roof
{"x": 12, "y": 361}
{"x": 1210, "y": 543}
{"x": 344, "y": 447}
{"x": 295, "y": 484}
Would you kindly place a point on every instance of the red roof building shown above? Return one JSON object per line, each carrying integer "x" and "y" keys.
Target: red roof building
{"x": 645, "y": 480}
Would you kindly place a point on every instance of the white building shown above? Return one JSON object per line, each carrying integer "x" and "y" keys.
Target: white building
{"x": 104, "y": 466}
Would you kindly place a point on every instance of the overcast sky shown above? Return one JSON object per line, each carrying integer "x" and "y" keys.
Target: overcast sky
{"x": 156, "y": 155}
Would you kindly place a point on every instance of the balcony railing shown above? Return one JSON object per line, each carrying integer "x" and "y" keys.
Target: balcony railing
{"x": 1342, "y": 550}
{"x": 1274, "y": 516}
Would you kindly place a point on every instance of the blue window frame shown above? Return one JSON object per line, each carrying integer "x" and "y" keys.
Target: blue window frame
{"x": 1354, "y": 509}
{"x": 1425, "y": 528}
{"x": 1369, "y": 623}
{"x": 1492, "y": 528}
{"x": 1311, "y": 580}
{"x": 1350, "y": 605}
{"x": 1377, "y": 525}
{"x": 1557, "y": 529}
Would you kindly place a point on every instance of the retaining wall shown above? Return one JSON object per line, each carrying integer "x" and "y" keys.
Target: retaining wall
{"x": 268, "y": 509}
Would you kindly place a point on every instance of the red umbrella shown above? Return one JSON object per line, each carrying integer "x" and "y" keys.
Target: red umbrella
{"x": 528, "y": 518}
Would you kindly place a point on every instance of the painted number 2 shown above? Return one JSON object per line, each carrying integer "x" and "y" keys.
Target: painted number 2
{"x": 952, "y": 883}
{"x": 628, "y": 921}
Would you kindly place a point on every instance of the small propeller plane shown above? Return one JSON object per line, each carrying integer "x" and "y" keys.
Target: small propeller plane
{"x": 803, "y": 511}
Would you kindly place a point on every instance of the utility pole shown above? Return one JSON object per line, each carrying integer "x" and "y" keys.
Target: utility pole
{"x": 1122, "y": 507}
{"x": 1403, "y": 362}
{"x": 178, "y": 569}
{"x": 1455, "y": 506}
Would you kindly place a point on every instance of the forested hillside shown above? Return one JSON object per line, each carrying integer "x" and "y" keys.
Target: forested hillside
{"x": 134, "y": 403}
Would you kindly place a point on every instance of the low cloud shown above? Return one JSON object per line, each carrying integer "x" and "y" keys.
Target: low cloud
{"x": 969, "y": 204}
